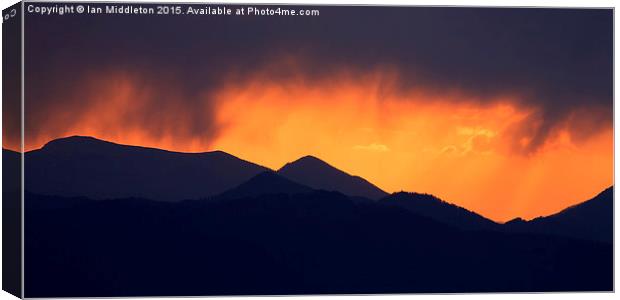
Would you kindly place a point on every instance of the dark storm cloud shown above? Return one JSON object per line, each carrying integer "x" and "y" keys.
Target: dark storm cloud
{"x": 558, "y": 60}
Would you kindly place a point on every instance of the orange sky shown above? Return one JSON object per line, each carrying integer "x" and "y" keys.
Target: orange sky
{"x": 469, "y": 152}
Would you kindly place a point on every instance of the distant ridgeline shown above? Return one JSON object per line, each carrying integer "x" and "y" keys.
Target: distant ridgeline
{"x": 149, "y": 222}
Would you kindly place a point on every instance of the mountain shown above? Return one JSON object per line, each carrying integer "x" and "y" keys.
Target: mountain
{"x": 590, "y": 220}
{"x": 266, "y": 183}
{"x": 88, "y": 167}
{"x": 439, "y": 210}
{"x": 318, "y": 242}
{"x": 317, "y": 174}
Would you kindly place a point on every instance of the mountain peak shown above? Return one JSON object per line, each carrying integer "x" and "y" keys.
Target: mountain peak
{"x": 74, "y": 140}
{"x": 267, "y": 182}
{"x": 308, "y": 160}
{"x": 318, "y": 174}
{"x": 78, "y": 143}
{"x": 91, "y": 145}
{"x": 99, "y": 169}
{"x": 517, "y": 220}
{"x": 88, "y": 144}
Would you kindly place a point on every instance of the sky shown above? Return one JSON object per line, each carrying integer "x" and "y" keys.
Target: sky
{"x": 506, "y": 112}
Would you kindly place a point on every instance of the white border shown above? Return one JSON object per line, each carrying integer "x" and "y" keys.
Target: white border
{"x": 510, "y": 3}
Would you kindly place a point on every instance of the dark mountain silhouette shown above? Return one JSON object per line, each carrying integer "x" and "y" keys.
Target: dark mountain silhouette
{"x": 317, "y": 242}
{"x": 88, "y": 167}
{"x": 317, "y": 174}
{"x": 437, "y": 209}
{"x": 515, "y": 222}
{"x": 266, "y": 183}
{"x": 591, "y": 220}
{"x": 307, "y": 229}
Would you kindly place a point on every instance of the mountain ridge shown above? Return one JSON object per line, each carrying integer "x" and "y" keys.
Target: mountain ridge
{"x": 317, "y": 242}
{"x": 591, "y": 219}
{"x": 81, "y": 140}
{"x": 86, "y": 166}
{"x": 430, "y": 206}
{"x": 303, "y": 171}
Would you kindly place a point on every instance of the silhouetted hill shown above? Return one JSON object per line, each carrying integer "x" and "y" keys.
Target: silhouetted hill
{"x": 591, "y": 220}
{"x": 317, "y": 174}
{"x": 311, "y": 243}
{"x": 266, "y": 183}
{"x": 516, "y": 222}
{"x": 270, "y": 233}
{"x": 437, "y": 209}
{"x": 85, "y": 166}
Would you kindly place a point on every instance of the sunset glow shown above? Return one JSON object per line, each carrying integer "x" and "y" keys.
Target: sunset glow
{"x": 473, "y": 152}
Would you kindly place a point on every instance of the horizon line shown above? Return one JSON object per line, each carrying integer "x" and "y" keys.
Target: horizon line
{"x": 307, "y": 155}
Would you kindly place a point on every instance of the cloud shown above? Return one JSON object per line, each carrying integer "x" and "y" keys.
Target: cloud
{"x": 125, "y": 107}
{"x": 372, "y": 148}
{"x": 554, "y": 61}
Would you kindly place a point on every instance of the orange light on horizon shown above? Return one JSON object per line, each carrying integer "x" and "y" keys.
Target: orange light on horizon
{"x": 469, "y": 152}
